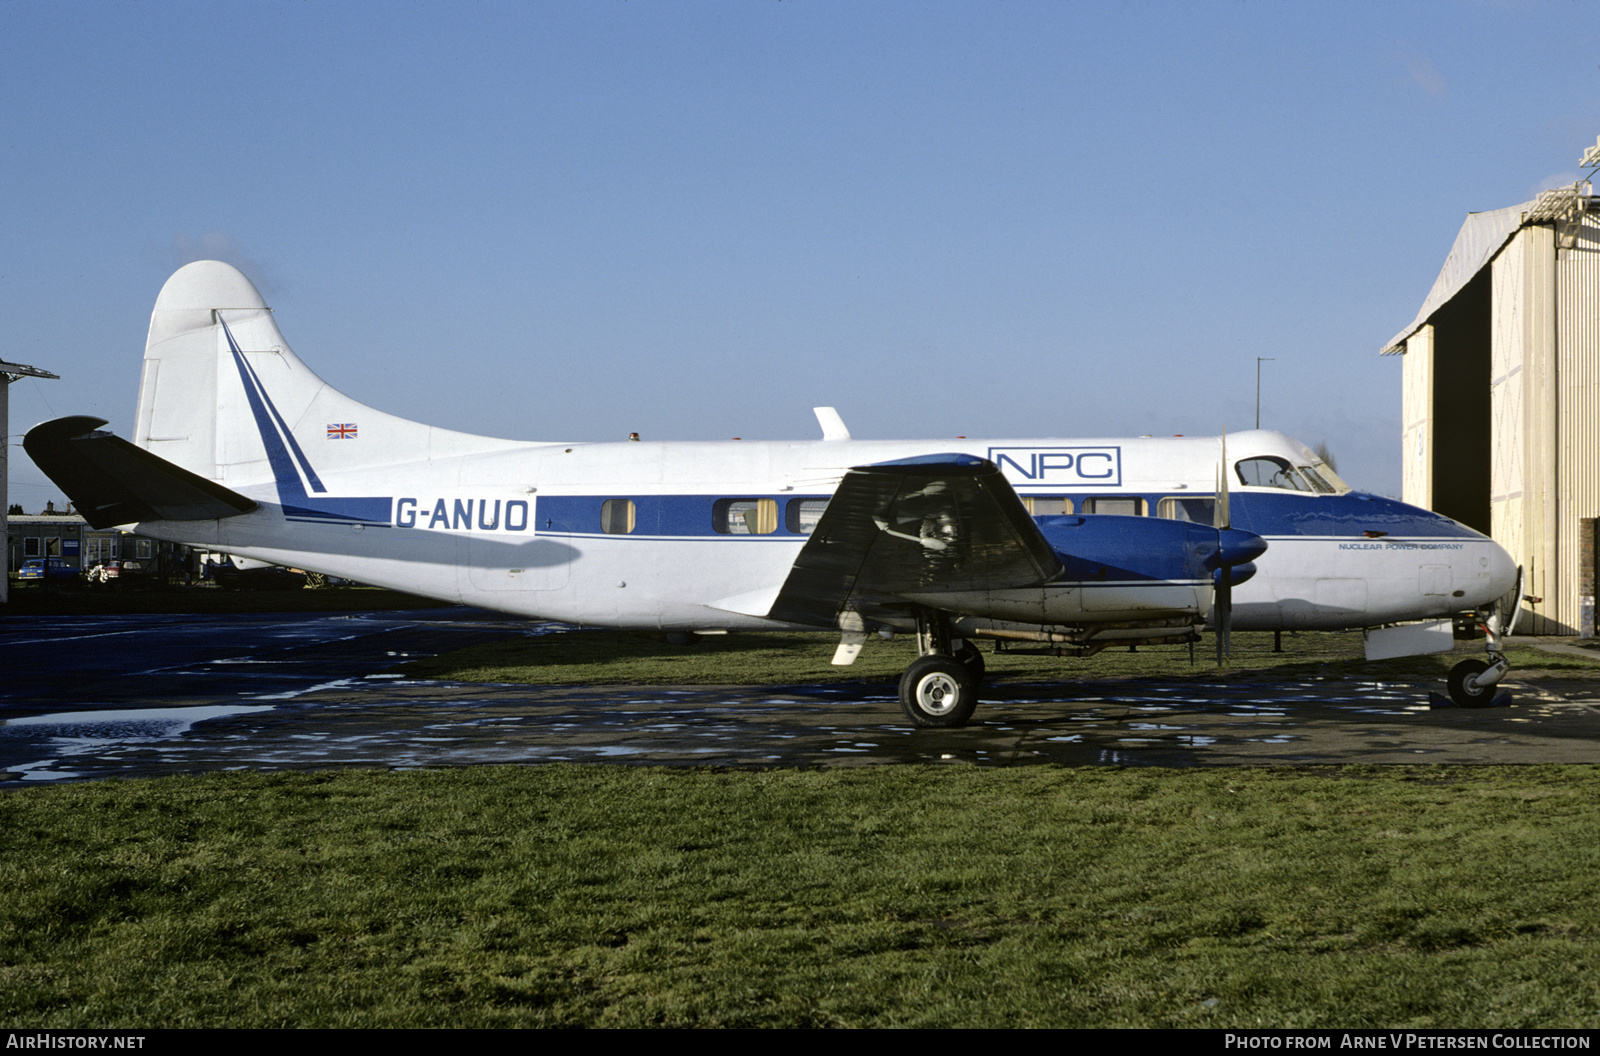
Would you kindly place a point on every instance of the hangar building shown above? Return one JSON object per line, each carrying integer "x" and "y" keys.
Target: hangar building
{"x": 1501, "y": 395}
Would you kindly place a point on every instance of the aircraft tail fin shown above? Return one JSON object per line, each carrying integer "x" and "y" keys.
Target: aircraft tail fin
{"x": 223, "y": 396}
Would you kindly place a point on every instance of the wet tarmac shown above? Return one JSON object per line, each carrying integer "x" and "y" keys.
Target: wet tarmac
{"x": 136, "y": 696}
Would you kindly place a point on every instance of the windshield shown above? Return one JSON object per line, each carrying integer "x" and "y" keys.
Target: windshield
{"x": 1269, "y": 471}
{"x": 1327, "y": 477}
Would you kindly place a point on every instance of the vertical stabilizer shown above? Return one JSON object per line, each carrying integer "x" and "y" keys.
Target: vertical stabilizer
{"x": 177, "y": 416}
{"x": 223, "y": 396}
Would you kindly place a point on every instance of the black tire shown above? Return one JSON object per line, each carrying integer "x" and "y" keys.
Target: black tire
{"x": 938, "y": 691}
{"x": 970, "y": 658}
{"x": 1478, "y": 697}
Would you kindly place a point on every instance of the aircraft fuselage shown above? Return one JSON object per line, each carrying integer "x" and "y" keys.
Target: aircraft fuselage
{"x": 668, "y": 536}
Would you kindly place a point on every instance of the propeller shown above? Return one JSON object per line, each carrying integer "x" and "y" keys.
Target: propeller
{"x": 1222, "y": 600}
{"x": 1232, "y": 563}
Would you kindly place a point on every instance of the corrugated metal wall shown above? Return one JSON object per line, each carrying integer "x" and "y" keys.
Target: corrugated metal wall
{"x": 1545, "y": 469}
{"x": 1576, "y": 336}
{"x": 1416, "y": 416}
{"x": 1544, "y": 417}
{"x": 1507, "y": 374}
{"x": 1523, "y": 485}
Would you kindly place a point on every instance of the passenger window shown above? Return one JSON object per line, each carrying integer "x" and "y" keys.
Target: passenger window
{"x": 1183, "y": 508}
{"x": 616, "y": 516}
{"x": 1047, "y": 505}
{"x": 745, "y": 516}
{"x": 1133, "y": 507}
{"x": 801, "y": 515}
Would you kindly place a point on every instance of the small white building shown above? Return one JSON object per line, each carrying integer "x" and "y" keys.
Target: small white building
{"x": 1501, "y": 405}
{"x": 67, "y": 535}
{"x": 47, "y": 534}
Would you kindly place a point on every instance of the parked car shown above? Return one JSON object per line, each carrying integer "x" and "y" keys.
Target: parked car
{"x": 115, "y": 571}
{"x": 33, "y": 570}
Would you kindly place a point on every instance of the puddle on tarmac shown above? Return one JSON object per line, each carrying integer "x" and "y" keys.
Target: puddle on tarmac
{"x": 379, "y": 721}
{"x": 62, "y": 737}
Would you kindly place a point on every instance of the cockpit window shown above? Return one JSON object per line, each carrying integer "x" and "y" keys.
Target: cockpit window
{"x": 1314, "y": 478}
{"x": 1323, "y": 475}
{"x": 1268, "y": 472}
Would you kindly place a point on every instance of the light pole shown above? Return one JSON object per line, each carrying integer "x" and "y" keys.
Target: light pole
{"x": 1260, "y": 360}
{"x": 10, "y": 372}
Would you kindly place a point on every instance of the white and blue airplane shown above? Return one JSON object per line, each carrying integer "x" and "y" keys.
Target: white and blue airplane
{"x": 1061, "y": 546}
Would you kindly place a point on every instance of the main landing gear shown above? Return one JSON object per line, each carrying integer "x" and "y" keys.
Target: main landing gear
{"x": 940, "y": 688}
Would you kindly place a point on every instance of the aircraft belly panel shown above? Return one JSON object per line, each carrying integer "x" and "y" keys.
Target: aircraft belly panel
{"x": 426, "y": 564}
{"x": 625, "y": 581}
{"x": 497, "y": 563}
{"x": 1074, "y": 603}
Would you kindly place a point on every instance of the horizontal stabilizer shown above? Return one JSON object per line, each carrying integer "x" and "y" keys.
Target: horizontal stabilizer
{"x": 110, "y": 481}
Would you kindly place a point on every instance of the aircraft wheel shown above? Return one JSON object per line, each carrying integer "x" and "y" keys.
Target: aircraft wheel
{"x": 1476, "y": 697}
{"x": 970, "y": 658}
{"x": 938, "y": 691}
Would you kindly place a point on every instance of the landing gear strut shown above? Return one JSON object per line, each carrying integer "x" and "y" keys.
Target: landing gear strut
{"x": 1472, "y": 682}
{"x": 940, "y": 688}
{"x": 967, "y": 655}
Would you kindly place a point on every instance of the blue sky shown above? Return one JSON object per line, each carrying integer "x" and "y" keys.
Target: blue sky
{"x": 697, "y": 220}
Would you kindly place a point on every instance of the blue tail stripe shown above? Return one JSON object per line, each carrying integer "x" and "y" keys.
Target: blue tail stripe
{"x": 283, "y": 428}
{"x": 297, "y": 505}
{"x": 288, "y": 481}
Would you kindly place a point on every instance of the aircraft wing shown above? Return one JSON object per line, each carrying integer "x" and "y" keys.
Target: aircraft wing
{"x": 110, "y": 481}
{"x": 934, "y": 523}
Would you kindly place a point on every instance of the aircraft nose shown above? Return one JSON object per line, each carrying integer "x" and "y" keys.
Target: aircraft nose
{"x": 1491, "y": 574}
{"x": 1502, "y": 570}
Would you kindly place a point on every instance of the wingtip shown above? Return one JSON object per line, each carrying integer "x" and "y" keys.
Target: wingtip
{"x": 62, "y": 428}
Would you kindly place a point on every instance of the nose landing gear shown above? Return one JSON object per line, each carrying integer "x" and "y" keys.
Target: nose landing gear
{"x": 1472, "y": 682}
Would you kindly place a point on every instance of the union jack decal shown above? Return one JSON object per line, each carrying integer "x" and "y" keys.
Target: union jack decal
{"x": 342, "y": 431}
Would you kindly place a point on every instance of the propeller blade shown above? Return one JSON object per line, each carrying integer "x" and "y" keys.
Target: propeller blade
{"x": 1222, "y": 517}
{"x": 1222, "y": 592}
{"x": 1224, "y": 613}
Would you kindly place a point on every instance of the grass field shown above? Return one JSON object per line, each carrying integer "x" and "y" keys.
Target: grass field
{"x": 1403, "y": 897}
{"x": 893, "y": 896}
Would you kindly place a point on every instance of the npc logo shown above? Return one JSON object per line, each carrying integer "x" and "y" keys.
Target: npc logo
{"x": 1076, "y": 467}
